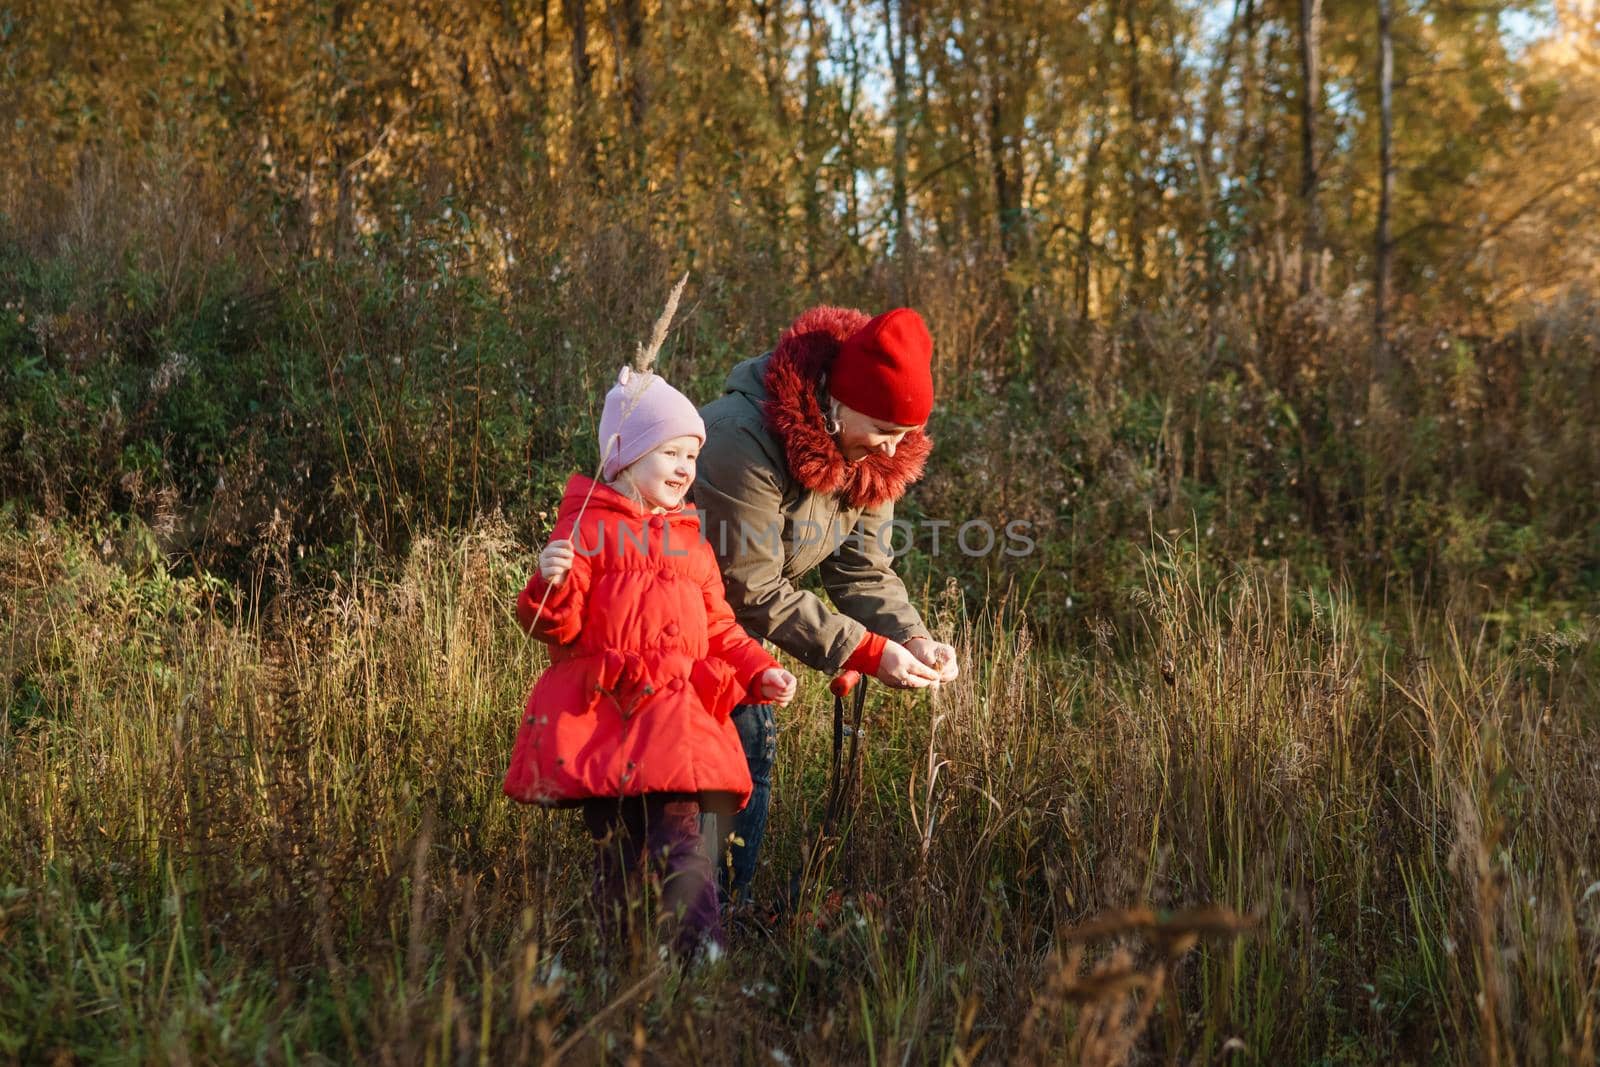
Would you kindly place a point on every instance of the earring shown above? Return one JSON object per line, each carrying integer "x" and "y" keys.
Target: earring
{"x": 830, "y": 416}
{"x": 830, "y": 421}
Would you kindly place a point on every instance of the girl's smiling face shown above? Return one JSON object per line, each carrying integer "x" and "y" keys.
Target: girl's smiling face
{"x": 662, "y": 478}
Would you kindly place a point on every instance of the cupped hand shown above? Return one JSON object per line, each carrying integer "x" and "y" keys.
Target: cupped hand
{"x": 937, "y": 655}
{"x": 901, "y": 669}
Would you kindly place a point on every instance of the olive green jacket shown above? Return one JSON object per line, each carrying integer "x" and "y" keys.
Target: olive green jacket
{"x": 769, "y": 525}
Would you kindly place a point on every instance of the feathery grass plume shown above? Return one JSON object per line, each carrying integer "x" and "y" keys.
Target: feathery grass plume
{"x": 636, "y": 379}
{"x": 648, "y": 352}
{"x": 637, "y": 376}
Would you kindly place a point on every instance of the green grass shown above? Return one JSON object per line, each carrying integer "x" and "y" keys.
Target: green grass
{"x": 277, "y": 834}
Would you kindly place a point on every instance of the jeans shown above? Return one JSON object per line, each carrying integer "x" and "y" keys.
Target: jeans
{"x": 758, "y": 732}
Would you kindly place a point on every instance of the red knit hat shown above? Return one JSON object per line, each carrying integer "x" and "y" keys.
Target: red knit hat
{"x": 884, "y": 370}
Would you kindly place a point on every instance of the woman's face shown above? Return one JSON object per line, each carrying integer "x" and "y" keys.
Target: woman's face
{"x": 861, "y": 435}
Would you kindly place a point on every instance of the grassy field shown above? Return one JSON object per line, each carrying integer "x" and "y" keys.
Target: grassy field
{"x": 1239, "y": 820}
{"x": 1283, "y": 747}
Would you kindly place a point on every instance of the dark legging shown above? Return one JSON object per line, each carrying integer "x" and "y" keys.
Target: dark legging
{"x": 655, "y": 837}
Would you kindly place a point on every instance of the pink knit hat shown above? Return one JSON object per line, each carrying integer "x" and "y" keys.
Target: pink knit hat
{"x": 641, "y": 413}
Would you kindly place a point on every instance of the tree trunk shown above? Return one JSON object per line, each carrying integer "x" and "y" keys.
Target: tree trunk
{"x": 894, "y": 27}
{"x": 636, "y": 87}
{"x": 774, "y": 52}
{"x": 1248, "y": 166}
{"x": 340, "y": 184}
{"x": 935, "y": 210}
{"x": 816, "y": 48}
{"x": 583, "y": 143}
{"x": 1206, "y": 180}
{"x": 1091, "y": 185}
{"x": 1380, "y": 340}
{"x": 1310, "y": 107}
{"x": 1007, "y": 187}
{"x": 1138, "y": 187}
{"x": 1008, "y": 101}
{"x": 847, "y": 118}
{"x": 542, "y": 84}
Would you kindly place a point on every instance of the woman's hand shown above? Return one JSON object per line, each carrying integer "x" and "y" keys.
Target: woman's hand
{"x": 940, "y": 657}
{"x": 775, "y": 684}
{"x": 555, "y": 561}
{"x": 900, "y": 668}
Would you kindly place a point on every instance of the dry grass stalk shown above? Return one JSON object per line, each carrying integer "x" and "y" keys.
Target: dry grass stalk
{"x": 1440, "y": 827}
{"x": 1116, "y": 998}
{"x": 646, "y": 360}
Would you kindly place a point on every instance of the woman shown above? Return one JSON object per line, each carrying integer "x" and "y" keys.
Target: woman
{"x": 806, "y": 453}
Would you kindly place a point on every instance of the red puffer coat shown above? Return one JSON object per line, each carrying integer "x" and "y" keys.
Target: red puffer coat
{"x": 647, "y": 661}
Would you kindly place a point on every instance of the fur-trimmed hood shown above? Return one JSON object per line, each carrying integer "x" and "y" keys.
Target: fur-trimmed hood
{"x": 793, "y": 410}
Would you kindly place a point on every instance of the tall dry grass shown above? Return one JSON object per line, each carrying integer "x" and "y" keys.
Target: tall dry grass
{"x": 1256, "y": 823}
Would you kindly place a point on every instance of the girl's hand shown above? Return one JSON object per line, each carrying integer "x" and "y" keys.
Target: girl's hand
{"x": 777, "y": 685}
{"x": 555, "y": 561}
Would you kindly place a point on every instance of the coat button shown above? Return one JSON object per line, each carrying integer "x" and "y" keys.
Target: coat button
{"x": 656, "y": 522}
{"x": 671, "y": 629}
{"x": 666, "y": 575}
{"x": 675, "y": 685}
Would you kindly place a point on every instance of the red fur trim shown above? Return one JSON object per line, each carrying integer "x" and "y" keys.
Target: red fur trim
{"x": 794, "y": 412}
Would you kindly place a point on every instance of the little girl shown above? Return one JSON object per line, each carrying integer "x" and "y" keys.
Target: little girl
{"x": 630, "y": 720}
